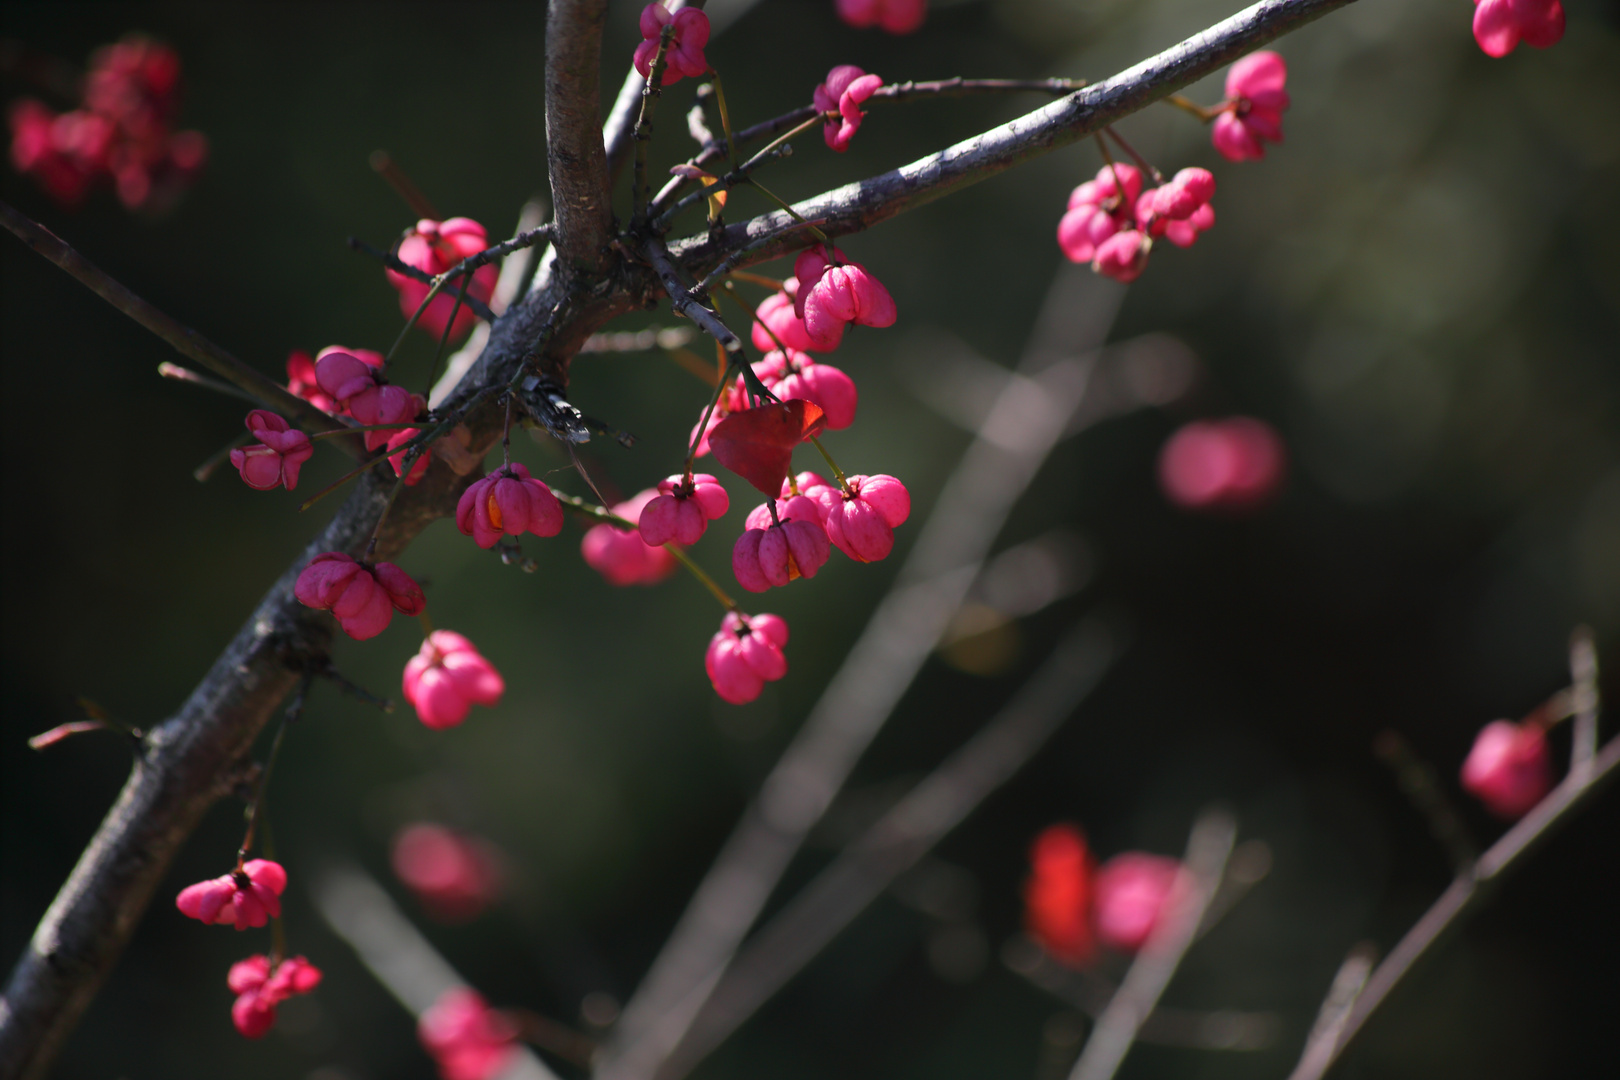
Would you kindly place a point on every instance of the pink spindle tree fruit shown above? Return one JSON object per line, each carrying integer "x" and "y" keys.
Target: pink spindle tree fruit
{"x": 1508, "y": 769}
{"x": 508, "y": 502}
{"x": 1256, "y": 100}
{"x": 1132, "y": 891}
{"x": 1058, "y": 895}
{"x": 681, "y": 511}
{"x": 621, "y": 555}
{"x": 861, "y": 521}
{"x": 467, "y": 1039}
{"x": 1234, "y": 465}
{"x": 362, "y": 597}
{"x": 259, "y": 988}
{"x": 745, "y": 654}
{"x": 243, "y": 898}
{"x": 447, "y": 678}
{"x": 275, "y": 459}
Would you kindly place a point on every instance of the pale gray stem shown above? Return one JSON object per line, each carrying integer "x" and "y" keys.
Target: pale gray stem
{"x": 908, "y": 831}
{"x": 392, "y": 949}
{"x": 1460, "y": 900}
{"x": 1156, "y": 964}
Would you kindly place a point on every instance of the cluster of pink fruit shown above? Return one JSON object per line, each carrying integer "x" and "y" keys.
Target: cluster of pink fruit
{"x": 121, "y": 131}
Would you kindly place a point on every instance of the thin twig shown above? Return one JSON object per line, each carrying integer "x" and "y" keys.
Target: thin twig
{"x": 218, "y": 386}
{"x": 915, "y": 824}
{"x": 1154, "y": 967}
{"x": 395, "y": 952}
{"x": 1346, "y": 987}
{"x": 1460, "y": 900}
{"x": 1422, "y": 789}
{"x": 185, "y": 340}
{"x": 1583, "y": 670}
{"x": 681, "y": 298}
{"x": 392, "y": 261}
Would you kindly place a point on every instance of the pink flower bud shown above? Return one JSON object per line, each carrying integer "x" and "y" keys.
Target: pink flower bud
{"x": 861, "y": 522}
{"x": 1235, "y": 464}
{"x": 447, "y": 677}
{"x": 842, "y": 93}
{"x": 1499, "y": 25}
{"x": 769, "y": 553}
{"x": 362, "y": 597}
{"x": 468, "y": 1039}
{"x": 434, "y": 247}
{"x": 684, "y": 58}
{"x": 1122, "y": 256}
{"x": 454, "y": 876}
{"x": 1098, "y": 210}
{"x": 508, "y": 502}
{"x": 276, "y": 458}
{"x": 246, "y": 897}
{"x": 622, "y": 556}
{"x": 778, "y": 314}
{"x": 1254, "y": 87}
{"x": 1132, "y": 892}
{"x": 680, "y": 513}
{"x": 832, "y": 294}
{"x": 745, "y": 654}
{"x": 259, "y": 990}
{"x": 1508, "y": 769}
{"x": 1058, "y": 894}
{"x": 895, "y": 16}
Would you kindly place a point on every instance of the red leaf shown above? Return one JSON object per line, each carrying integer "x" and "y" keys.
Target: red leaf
{"x": 757, "y": 444}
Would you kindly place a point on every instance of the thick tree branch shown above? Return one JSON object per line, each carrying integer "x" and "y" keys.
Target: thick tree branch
{"x": 578, "y": 163}
{"x": 859, "y": 206}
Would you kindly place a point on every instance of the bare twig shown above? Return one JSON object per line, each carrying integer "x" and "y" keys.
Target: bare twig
{"x": 1460, "y": 900}
{"x": 891, "y": 846}
{"x": 1420, "y": 786}
{"x": 1012, "y": 443}
{"x": 186, "y": 341}
{"x": 1583, "y": 671}
{"x": 682, "y": 300}
{"x": 1090, "y": 993}
{"x": 1155, "y": 965}
{"x": 393, "y": 263}
{"x": 393, "y": 950}
{"x": 1341, "y": 997}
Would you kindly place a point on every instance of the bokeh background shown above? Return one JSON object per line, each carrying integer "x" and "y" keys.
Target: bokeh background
{"x": 1419, "y": 289}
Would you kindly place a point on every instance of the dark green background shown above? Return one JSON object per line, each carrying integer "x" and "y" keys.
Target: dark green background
{"x": 1419, "y": 289}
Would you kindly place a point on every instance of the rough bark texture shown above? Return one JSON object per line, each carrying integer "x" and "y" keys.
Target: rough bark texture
{"x": 574, "y": 143}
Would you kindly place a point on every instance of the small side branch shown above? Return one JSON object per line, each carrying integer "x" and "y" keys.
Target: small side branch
{"x": 682, "y": 300}
{"x": 185, "y": 340}
{"x": 1145, "y": 982}
{"x": 1460, "y": 900}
